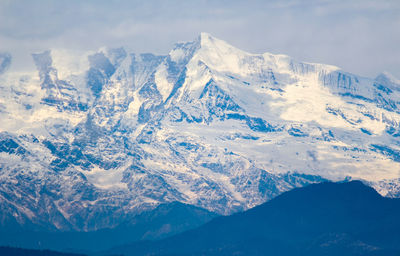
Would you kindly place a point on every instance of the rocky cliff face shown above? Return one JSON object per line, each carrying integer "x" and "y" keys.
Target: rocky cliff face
{"x": 208, "y": 125}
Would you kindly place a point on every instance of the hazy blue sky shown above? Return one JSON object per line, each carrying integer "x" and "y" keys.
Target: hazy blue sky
{"x": 361, "y": 36}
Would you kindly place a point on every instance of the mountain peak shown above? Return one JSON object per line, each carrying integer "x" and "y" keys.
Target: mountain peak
{"x": 207, "y": 41}
{"x": 204, "y": 38}
{"x": 386, "y": 76}
{"x": 388, "y": 80}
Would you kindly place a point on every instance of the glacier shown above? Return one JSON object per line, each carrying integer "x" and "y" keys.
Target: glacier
{"x": 89, "y": 140}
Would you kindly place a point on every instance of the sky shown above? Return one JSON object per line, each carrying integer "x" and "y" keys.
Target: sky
{"x": 360, "y": 36}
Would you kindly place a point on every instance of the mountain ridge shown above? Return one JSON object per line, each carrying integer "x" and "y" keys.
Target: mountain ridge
{"x": 346, "y": 218}
{"x": 163, "y": 221}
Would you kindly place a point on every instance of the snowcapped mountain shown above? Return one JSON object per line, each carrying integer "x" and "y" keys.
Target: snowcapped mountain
{"x": 87, "y": 141}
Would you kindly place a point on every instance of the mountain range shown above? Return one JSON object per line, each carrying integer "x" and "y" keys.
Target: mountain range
{"x": 89, "y": 141}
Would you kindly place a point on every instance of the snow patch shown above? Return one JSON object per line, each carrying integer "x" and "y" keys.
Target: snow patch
{"x": 106, "y": 179}
{"x": 163, "y": 85}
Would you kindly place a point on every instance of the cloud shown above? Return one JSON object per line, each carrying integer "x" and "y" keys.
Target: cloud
{"x": 361, "y": 36}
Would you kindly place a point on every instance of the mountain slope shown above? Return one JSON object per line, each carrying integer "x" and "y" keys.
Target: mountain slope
{"x": 320, "y": 219}
{"x": 164, "y": 221}
{"x": 88, "y": 141}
